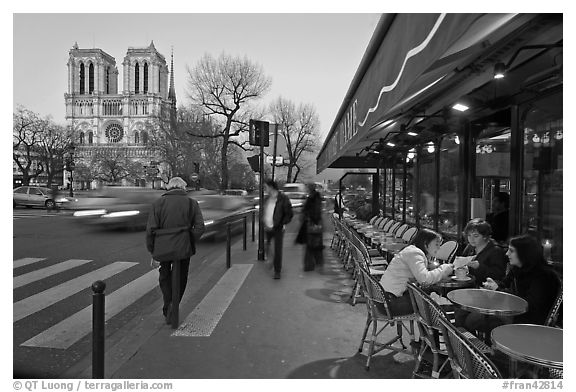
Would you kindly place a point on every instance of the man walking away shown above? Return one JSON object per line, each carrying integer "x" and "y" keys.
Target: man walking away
{"x": 277, "y": 214}
{"x": 174, "y": 224}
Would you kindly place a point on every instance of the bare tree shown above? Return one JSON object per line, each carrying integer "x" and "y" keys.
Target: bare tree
{"x": 27, "y": 133}
{"x": 299, "y": 126}
{"x": 112, "y": 165}
{"x": 224, "y": 88}
{"x": 53, "y": 146}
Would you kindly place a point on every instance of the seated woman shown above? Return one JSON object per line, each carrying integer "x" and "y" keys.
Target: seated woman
{"x": 409, "y": 264}
{"x": 490, "y": 260}
{"x": 529, "y": 278}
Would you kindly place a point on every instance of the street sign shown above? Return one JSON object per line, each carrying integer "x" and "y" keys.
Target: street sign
{"x": 194, "y": 177}
{"x": 279, "y": 159}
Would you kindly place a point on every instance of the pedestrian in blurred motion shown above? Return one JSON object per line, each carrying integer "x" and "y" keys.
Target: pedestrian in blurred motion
{"x": 55, "y": 193}
{"x": 277, "y": 214}
{"x": 174, "y": 224}
{"x": 310, "y": 232}
{"x": 338, "y": 204}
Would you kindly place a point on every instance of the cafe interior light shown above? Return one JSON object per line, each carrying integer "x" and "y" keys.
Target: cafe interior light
{"x": 431, "y": 148}
{"x": 412, "y": 133}
{"x": 499, "y": 70}
{"x": 456, "y": 139}
{"x": 390, "y": 144}
{"x": 460, "y": 107}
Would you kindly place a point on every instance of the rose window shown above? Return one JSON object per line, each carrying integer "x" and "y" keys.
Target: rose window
{"x": 114, "y": 133}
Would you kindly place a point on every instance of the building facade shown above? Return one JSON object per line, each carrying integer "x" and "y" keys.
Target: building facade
{"x": 107, "y": 118}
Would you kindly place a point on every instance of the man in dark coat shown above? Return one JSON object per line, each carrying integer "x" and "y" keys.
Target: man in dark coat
{"x": 174, "y": 213}
{"x": 276, "y": 215}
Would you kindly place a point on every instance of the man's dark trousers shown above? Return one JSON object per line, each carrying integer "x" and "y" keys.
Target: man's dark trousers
{"x": 165, "y": 281}
{"x": 278, "y": 237}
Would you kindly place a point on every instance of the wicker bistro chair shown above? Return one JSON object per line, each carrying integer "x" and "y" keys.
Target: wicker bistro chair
{"x": 552, "y": 318}
{"x": 379, "y": 311}
{"x": 361, "y": 262}
{"x": 428, "y": 315}
{"x": 388, "y": 225}
{"x": 383, "y": 223}
{"x": 447, "y": 251}
{"x": 401, "y": 230}
{"x": 373, "y": 219}
{"x": 337, "y": 231}
{"x": 466, "y": 360}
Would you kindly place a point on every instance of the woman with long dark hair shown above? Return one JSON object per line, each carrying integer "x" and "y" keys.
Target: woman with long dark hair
{"x": 412, "y": 263}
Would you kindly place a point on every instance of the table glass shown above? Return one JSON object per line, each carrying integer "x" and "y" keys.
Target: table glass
{"x": 535, "y": 344}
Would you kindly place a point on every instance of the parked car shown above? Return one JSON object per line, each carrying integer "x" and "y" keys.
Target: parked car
{"x": 35, "y": 196}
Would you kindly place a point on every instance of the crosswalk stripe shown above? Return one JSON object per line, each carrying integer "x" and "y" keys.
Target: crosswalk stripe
{"x": 34, "y": 276}
{"x": 70, "y": 330}
{"x": 26, "y": 260}
{"x": 37, "y": 302}
{"x": 204, "y": 319}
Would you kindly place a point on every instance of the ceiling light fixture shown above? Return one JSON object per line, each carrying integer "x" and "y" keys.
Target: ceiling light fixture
{"x": 460, "y": 107}
{"x": 390, "y": 144}
{"x": 412, "y": 133}
{"x": 499, "y": 70}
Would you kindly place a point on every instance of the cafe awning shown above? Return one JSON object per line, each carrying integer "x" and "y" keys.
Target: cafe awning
{"x": 408, "y": 55}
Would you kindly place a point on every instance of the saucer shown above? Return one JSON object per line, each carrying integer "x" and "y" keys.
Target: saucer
{"x": 461, "y": 280}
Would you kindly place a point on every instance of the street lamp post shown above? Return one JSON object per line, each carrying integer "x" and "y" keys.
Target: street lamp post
{"x": 71, "y": 166}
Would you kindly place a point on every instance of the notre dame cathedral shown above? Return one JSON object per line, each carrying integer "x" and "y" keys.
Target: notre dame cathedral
{"x": 105, "y": 119}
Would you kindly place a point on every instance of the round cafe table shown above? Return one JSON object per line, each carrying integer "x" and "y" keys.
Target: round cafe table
{"x": 488, "y": 302}
{"x": 535, "y": 344}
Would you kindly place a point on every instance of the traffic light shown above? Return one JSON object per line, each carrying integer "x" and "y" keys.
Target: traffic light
{"x": 254, "y": 162}
{"x": 259, "y": 129}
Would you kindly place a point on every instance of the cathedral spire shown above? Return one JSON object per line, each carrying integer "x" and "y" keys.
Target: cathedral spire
{"x": 172, "y": 91}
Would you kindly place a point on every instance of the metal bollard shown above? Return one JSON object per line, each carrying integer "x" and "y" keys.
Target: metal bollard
{"x": 98, "y": 308}
{"x": 253, "y": 225}
{"x": 175, "y": 315}
{"x": 245, "y": 229}
{"x": 228, "y": 240}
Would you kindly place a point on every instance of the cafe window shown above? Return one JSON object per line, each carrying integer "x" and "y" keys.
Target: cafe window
{"x": 388, "y": 192}
{"x": 427, "y": 186}
{"x": 492, "y": 156}
{"x": 398, "y": 192}
{"x": 542, "y": 174}
{"x": 411, "y": 161}
{"x": 449, "y": 185}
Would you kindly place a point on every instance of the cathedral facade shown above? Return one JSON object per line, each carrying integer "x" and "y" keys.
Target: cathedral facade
{"x": 108, "y": 119}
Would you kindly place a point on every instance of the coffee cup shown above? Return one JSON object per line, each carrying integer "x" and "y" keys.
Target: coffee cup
{"x": 460, "y": 273}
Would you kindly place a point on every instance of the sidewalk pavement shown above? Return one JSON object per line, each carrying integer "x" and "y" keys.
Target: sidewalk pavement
{"x": 300, "y": 326}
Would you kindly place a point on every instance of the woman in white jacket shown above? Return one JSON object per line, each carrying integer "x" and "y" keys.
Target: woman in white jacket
{"x": 411, "y": 263}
